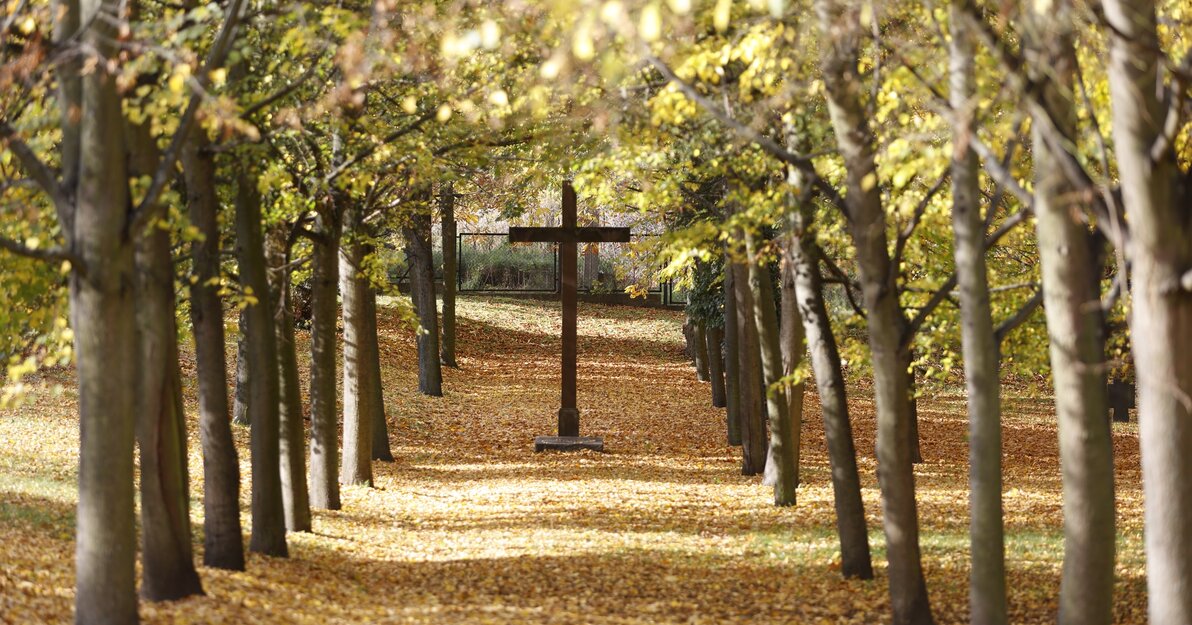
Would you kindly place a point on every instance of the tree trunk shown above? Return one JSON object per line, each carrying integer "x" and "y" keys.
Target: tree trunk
{"x": 240, "y": 401}
{"x": 1161, "y": 316}
{"x": 450, "y": 269}
{"x": 358, "y": 378}
{"x": 324, "y": 435}
{"x": 422, "y": 292}
{"x": 987, "y": 578}
{"x": 732, "y": 357}
{"x": 268, "y": 515}
{"x": 855, "y": 560}
{"x": 223, "y": 545}
{"x": 715, "y": 335}
{"x": 699, "y": 346}
{"x": 380, "y": 437}
{"x": 103, "y": 316}
{"x": 908, "y": 590}
{"x": 167, "y": 557}
{"x": 914, "y": 439}
{"x": 780, "y": 460}
{"x": 294, "y": 494}
{"x": 791, "y": 338}
{"x": 752, "y": 423}
{"x": 1071, "y": 300}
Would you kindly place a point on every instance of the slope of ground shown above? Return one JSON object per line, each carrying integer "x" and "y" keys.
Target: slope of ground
{"x": 470, "y": 526}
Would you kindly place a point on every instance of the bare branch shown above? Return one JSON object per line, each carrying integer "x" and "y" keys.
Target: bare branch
{"x": 49, "y": 254}
{"x": 1019, "y": 317}
{"x": 41, "y": 173}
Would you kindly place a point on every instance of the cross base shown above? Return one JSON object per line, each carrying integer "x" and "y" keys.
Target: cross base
{"x": 568, "y": 443}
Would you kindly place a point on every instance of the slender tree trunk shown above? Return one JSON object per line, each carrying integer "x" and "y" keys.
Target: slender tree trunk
{"x": 752, "y": 421}
{"x": 791, "y": 338}
{"x": 1161, "y": 316}
{"x": 699, "y": 344}
{"x": 780, "y": 460}
{"x": 732, "y": 356}
{"x": 715, "y": 335}
{"x": 167, "y": 557}
{"x": 268, "y": 515}
{"x": 855, "y": 560}
{"x": 380, "y": 438}
{"x": 223, "y": 545}
{"x": 908, "y": 589}
{"x": 987, "y": 578}
{"x": 103, "y": 316}
{"x": 358, "y": 359}
{"x": 1071, "y": 300}
{"x": 450, "y": 268}
{"x": 422, "y": 292}
{"x": 914, "y": 439}
{"x": 240, "y": 397}
{"x": 324, "y": 435}
{"x": 294, "y": 494}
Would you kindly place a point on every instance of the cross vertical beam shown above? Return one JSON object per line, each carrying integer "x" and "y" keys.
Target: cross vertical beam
{"x": 568, "y": 296}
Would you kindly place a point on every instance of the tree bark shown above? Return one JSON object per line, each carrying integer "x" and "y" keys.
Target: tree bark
{"x": 422, "y": 292}
{"x": 223, "y": 544}
{"x": 268, "y": 515}
{"x": 987, "y": 577}
{"x": 780, "y": 460}
{"x": 324, "y": 435}
{"x": 380, "y": 437}
{"x": 855, "y": 559}
{"x": 715, "y": 335}
{"x": 699, "y": 344}
{"x": 294, "y": 494}
{"x": 103, "y": 317}
{"x": 450, "y": 268}
{"x": 732, "y": 357}
{"x": 167, "y": 557}
{"x": 358, "y": 378}
{"x": 908, "y": 589}
{"x": 240, "y": 397}
{"x": 1071, "y": 300}
{"x": 791, "y": 337}
{"x": 1161, "y": 316}
{"x": 752, "y": 421}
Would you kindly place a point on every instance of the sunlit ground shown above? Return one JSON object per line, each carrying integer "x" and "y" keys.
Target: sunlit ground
{"x": 470, "y": 526}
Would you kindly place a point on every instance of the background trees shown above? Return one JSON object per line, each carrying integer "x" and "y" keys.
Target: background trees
{"x": 846, "y": 178}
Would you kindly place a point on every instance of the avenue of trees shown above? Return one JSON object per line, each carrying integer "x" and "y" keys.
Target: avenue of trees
{"x": 883, "y": 189}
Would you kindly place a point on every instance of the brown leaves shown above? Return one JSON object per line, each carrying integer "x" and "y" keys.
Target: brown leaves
{"x": 470, "y": 526}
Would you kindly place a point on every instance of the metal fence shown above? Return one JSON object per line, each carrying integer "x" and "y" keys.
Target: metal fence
{"x": 488, "y": 263}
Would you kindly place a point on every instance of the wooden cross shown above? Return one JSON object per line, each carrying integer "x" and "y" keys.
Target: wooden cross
{"x": 567, "y": 236}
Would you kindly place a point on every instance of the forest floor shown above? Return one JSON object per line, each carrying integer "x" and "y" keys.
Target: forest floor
{"x": 469, "y": 525}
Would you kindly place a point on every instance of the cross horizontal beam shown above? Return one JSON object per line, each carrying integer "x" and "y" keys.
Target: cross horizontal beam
{"x": 587, "y": 234}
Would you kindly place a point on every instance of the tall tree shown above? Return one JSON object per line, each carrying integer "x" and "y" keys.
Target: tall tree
{"x": 223, "y": 546}
{"x": 1157, "y": 200}
{"x": 422, "y": 291}
{"x": 292, "y": 449}
{"x": 268, "y": 514}
{"x": 450, "y": 268}
{"x": 358, "y": 357}
{"x": 1072, "y": 302}
{"x": 167, "y": 555}
{"x": 802, "y": 256}
{"x": 324, "y": 435}
{"x": 841, "y": 26}
{"x": 987, "y": 578}
{"x": 751, "y": 411}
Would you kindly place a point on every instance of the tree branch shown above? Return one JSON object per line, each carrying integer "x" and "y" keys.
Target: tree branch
{"x": 1018, "y": 318}
{"x": 49, "y": 254}
{"x": 767, "y": 145}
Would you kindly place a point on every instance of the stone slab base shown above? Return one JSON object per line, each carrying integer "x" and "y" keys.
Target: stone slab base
{"x": 568, "y": 443}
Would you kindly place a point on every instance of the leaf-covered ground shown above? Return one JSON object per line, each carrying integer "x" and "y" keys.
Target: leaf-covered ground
{"x": 470, "y": 526}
